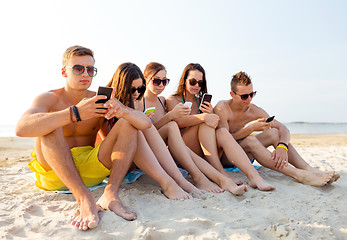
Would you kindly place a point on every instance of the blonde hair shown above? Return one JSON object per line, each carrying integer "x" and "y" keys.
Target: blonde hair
{"x": 240, "y": 78}
{"x": 76, "y": 51}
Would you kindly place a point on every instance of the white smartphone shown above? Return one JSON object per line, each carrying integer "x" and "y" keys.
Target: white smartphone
{"x": 188, "y": 104}
{"x": 148, "y": 110}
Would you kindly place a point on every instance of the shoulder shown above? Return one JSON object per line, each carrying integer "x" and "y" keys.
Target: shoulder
{"x": 90, "y": 93}
{"x": 222, "y": 107}
{"x": 173, "y": 99}
{"x": 257, "y": 111}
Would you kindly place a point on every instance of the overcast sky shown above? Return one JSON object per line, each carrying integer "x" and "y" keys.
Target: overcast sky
{"x": 295, "y": 51}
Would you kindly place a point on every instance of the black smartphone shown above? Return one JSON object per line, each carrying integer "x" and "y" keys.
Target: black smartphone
{"x": 107, "y": 91}
{"x": 205, "y": 98}
{"x": 270, "y": 119}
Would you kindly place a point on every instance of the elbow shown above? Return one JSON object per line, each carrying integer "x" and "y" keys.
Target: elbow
{"x": 146, "y": 124}
{"x": 19, "y": 131}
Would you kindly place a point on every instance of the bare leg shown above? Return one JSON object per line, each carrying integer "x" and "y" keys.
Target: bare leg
{"x": 178, "y": 149}
{"x": 201, "y": 139}
{"x": 252, "y": 145}
{"x": 271, "y": 137}
{"x": 238, "y": 157}
{"x": 146, "y": 161}
{"x": 165, "y": 159}
{"x": 116, "y": 153}
{"x": 223, "y": 181}
{"x": 54, "y": 153}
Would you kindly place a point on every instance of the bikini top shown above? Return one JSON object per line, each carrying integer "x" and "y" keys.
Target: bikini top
{"x": 144, "y": 104}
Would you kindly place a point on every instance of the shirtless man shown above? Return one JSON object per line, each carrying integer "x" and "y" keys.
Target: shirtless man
{"x": 68, "y": 118}
{"x": 237, "y": 112}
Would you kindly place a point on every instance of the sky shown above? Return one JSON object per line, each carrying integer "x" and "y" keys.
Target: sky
{"x": 295, "y": 51}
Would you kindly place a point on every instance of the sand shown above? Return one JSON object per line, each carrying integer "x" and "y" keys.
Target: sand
{"x": 293, "y": 211}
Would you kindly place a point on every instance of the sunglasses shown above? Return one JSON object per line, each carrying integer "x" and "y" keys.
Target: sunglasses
{"x": 193, "y": 82}
{"x": 157, "y": 81}
{"x": 245, "y": 96}
{"x": 79, "y": 69}
{"x": 140, "y": 90}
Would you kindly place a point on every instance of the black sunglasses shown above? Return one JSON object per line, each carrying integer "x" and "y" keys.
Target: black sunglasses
{"x": 245, "y": 96}
{"x": 79, "y": 69}
{"x": 157, "y": 81}
{"x": 193, "y": 82}
{"x": 140, "y": 90}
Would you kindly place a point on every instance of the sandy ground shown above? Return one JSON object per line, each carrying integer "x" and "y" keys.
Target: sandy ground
{"x": 293, "y": 211}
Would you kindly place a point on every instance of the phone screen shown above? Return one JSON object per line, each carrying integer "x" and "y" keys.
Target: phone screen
{"x": 107, "y": 91}
{"x": 206, "y": 98}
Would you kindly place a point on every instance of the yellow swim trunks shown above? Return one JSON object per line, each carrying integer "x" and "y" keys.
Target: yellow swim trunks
{"x": 86, "y": 160}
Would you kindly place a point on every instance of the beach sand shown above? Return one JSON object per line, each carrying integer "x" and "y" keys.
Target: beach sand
{"x": 292, "y": 211}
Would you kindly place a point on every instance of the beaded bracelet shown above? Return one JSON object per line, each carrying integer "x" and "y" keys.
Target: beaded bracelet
{"x": 77, "y": 114}
{"x": 284, "y": 147}
{"x": 71, "y": 117}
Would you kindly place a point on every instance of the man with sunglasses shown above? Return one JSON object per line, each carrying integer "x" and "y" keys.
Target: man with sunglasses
{"x": 65, "y": 123}
{"x": 240, "y": 118}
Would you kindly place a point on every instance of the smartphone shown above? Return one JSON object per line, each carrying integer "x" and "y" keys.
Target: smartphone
{"x": 188, "y": 104}
{"x": 107, "y": 91}
{"x": 149, "y": 110}
{"x": 205, "y": 98}
{"x": 270, "y": 119}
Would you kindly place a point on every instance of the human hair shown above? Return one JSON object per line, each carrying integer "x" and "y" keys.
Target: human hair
{"x": 121, "y": 81}
{"x": 240, "y": 78}
{"x": 76, "y": 51}
{"x": 151, "y": 69}
{"x": 181, "y": 89}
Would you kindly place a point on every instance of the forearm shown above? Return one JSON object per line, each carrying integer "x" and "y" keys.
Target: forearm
{"x": 136, "y": 118}
{"x": 164, "y": 120}
{"x": 190, "y": 120}
{"x": 243, "y": 132}
{"x": 40, "y": 124}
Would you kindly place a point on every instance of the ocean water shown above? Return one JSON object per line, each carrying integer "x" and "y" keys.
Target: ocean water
{"x": 7, "y": 130}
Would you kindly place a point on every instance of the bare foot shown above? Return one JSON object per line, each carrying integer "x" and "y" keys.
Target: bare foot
{"x": 235, "y": 180}
{"x": 86, "y": 216}
{"x": 228, "y": 185}
{"x": 175, "y": 192}
{"x": 205, "y": 184}
{"x": 261, "y": 184}
{"x": 188, "y": 187}
{"x": 314, "y": 179}
{"x": 110, "y": 201}
{"x": 334, "y": 178}
{"x": 319, "y": 173}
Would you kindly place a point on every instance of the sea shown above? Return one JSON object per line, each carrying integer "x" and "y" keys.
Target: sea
{"x": 7, "y": 130}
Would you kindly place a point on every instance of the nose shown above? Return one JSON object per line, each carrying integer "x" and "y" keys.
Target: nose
{"x": 85, "y": 72}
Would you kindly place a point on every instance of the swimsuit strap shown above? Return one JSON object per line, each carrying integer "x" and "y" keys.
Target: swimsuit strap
{"x": 144, "y": 103}
{"x": 162, "y": 105}
{"x": 197, "y": 102}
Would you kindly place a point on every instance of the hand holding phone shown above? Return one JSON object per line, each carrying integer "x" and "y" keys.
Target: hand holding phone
{"x": 107, "y": 91}
{"x": 188, "y": 104}
{"x": 205, "y": 98}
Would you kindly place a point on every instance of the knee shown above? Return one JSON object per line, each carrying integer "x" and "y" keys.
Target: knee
{"x": 249, "y": 142}
{"x": 222, "y": 133}
{"x": 274, "y": 135}
{"x": 172, "y": 126}
{"x": 53, "y": 136}
{"x": 127, "y": 128}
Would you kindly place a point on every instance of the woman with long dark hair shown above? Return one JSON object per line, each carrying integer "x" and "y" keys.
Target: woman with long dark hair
{"x": 199, "y": 128}
{"x": 152, "y": 155}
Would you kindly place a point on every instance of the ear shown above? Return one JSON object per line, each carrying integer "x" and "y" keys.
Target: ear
{"x": 63, "y": 72}
{"x": 232, "y": 94}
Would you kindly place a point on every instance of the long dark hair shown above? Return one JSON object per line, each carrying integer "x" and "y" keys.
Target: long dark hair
{"x": 181, "y": 89}
{"x": 121, "y": 81}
